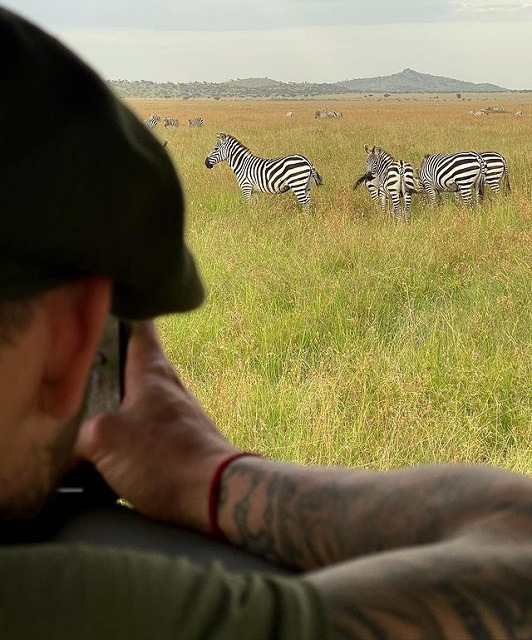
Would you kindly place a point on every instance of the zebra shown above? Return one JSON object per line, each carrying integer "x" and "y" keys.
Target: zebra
{"x": 387, "y": 177}
{"x": 171, "y": 122}
{"x": 327, "y": 114}
{"x": 448, "y": 172}
{"x": 276, "y": 175}
{"x": 152, "y": 120}
{"x": 496, "y": 171}
{"x": 196, "y": 122}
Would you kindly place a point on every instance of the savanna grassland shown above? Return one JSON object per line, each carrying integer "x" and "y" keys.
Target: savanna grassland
{"x": 341, "y": 336}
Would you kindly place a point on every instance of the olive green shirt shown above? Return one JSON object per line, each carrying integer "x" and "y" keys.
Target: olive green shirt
{"x": 81, "y": 592}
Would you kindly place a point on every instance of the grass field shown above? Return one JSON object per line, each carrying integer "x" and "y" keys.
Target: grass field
{"x": 341, "y": 336}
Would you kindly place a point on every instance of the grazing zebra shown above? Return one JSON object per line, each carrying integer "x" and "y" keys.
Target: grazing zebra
{"x": 518, "y": 114}
{"x": 152, "y": 120}
{"x": 496, "y": 171}
{"x": 387, "y": 177}
{"x": 171, "y": 122}
{"x": 196, "y": 122}
{"x": 447, "y": 172}
{"x": 276, "y": 175}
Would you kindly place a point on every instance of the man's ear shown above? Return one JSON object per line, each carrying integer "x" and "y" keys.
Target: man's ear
{"x": 75, "y": 314}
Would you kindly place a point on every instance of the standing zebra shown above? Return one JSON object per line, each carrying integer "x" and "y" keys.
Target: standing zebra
{"x": 152, "y": 120}
{"x": 445, "y": 172}
{"x": 253, "y": 173}
{"x": 387, "y": 177}
{"x": 327, "y": 114}
{"x": 195, "y": 122}
{"x": 171, "y": 122}
{"x": 496, "y": 171}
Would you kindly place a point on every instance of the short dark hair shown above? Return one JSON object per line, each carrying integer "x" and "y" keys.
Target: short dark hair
{"x": 14, "y": 318}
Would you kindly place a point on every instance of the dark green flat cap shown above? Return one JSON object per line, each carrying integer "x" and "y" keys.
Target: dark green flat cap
{"x": 85, "y": 188}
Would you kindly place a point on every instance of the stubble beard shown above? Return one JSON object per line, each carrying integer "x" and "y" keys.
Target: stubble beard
{"x": 48, "y": 468}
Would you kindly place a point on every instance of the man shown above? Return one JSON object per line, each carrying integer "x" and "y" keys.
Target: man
{"x": 92, "y": 222}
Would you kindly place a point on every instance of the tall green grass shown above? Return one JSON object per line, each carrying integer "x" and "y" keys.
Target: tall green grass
{"x": 341, "y": 336}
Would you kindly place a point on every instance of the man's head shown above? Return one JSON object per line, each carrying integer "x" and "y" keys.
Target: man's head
{"x": 92, "y": 221}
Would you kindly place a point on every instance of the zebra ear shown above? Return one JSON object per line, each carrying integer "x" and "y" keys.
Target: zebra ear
{"x": 221, "y": 136}
{"x": 366, "y": 149}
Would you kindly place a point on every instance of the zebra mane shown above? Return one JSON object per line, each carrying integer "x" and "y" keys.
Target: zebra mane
{"x": 379, "y": 151}
{"x": 222, "y": 136}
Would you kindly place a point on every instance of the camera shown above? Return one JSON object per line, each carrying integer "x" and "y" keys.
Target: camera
{"x": 104, "y": 392}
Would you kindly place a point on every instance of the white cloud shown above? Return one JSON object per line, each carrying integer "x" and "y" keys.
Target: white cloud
{"x": 492, "y": 8}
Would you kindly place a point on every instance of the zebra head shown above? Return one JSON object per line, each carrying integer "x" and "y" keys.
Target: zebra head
{"x": 219, "y": 153}
{"x": 375, "y": 160}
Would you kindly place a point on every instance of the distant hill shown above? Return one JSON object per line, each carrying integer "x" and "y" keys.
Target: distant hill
{"x": 410, "y": 81}
{"x": 406, "y": 81}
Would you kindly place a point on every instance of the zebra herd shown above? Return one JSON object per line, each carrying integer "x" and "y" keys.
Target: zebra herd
{"x": 153, "y": 120}
{"x": 385, "y": 177}
{"x": 463, "y": 173}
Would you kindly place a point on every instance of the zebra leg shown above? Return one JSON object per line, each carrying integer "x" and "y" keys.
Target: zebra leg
{"x": 246, "y": 190}
{"x": 396, "y": 205}
{"x": 407, "y": 202}
{"x": 431, "y": 194}
{"x": 301, "y": 192}
{"x": 467, "y": 197}
{"x": 303, "y": 197}
{"x": 382, "y": 198}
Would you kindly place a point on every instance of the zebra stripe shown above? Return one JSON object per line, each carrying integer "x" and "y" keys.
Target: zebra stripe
{"x": 195, "y": 122}
{"x": 171, "y": 122}
{"x": 328, "y": 114}
{"x": 265, "y": 175}
{"x": 461, "y": 172}
{"x": 152, "y": 120}
{"x": 496, "y": 171}
{"x": 387, "y": 177}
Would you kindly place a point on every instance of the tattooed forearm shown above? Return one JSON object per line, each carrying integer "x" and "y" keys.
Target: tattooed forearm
{"x": 314, "y": 517}
{"x": 451, "y": 591}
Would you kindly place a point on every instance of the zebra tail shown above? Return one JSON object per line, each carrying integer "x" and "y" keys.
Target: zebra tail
{"x": 317, "y": 178}
{"x": 507, "y": 182}
{"x": 362, "y": 179}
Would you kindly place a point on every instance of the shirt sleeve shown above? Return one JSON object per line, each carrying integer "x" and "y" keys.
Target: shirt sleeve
{"x": 79, "y": 592}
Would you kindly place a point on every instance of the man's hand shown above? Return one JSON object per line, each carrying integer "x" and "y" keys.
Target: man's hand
{"x": 160, "y": 450}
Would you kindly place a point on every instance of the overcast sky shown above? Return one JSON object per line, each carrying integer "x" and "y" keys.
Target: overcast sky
{"x": 293, "y": 40}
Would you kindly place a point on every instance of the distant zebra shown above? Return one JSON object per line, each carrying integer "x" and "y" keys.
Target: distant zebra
{"x": 171, "y": 122}
{"x": 327, "y": 114}
{"x": 518, "y": 113}
{"x": 448, "y": 172}
{"x": 388, "y": 177}
{"x": 152, "y": 120}
{"x": 196, "y": 122}
{"x": 496, "y": 171}
{"x": 276, "y": 175}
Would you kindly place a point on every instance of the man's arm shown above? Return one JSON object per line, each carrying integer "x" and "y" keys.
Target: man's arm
{"x": 431, "y": 552}
{"x": 442, "y": 550}
{"x": 462, "y": 589}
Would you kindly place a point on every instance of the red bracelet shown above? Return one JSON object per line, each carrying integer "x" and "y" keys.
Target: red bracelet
{"x": 214, "y": 491}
